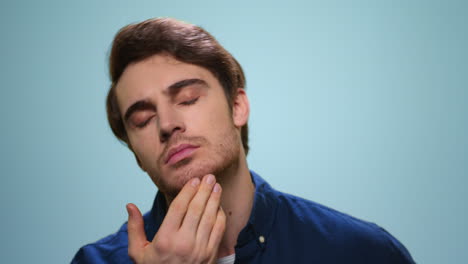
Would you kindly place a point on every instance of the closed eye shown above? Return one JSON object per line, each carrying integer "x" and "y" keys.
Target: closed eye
{"x": 141, "y": 119}
{"x": 190, "y": 102}
{"x": 143, "y": 124}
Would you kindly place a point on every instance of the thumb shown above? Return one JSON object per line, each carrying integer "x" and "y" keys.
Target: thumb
{"x": 136, "y": 232}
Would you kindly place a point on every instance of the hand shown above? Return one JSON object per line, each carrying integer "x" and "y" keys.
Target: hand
{"x": 191, "y": 231}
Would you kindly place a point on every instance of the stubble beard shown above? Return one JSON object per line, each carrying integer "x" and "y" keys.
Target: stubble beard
{"x": 223, "y": 156}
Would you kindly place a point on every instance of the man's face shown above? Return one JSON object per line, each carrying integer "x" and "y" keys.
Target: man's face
{"x": 178, "y": 121}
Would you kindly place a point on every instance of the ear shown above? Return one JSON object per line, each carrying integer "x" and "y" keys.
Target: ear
{"x": 241, "y": 108}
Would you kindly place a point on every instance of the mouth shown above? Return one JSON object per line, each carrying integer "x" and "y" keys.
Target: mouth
{"x": 179, "y": 153}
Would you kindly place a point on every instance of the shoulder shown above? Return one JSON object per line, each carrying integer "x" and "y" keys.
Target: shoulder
{"x": 111, "y": 249}
{"x": 335, "y": 231}
{"x": 114, "y": 248}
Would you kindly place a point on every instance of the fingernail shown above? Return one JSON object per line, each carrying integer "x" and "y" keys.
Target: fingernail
{"x": 210, "y": 179}
{"x": 217, "y": 188}
{"x": 195, "y": 182}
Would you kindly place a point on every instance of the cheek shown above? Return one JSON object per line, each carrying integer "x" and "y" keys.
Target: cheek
{"x": 144, "y": 143}
{"x": 214, "y": 121}
{"x": 219, "y": 114}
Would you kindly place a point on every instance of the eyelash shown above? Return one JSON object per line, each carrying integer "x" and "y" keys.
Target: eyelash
{"x": 190, "y": 102}
{"x": 143, "y": 124}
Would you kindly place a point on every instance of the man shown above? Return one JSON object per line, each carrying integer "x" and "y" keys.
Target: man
{"x": 177, "y": 100}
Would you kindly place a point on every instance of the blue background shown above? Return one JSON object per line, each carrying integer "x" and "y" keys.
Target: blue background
{"x": 358, "y": 105}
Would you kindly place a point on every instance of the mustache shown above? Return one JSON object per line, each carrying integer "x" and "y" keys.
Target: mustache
{"x": 179, "y": 139}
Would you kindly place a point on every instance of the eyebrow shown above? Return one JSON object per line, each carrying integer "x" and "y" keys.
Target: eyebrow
{"x": 139, "y": 106}
{"x": 173, "y": 89}
{"x": 176, "y": 87}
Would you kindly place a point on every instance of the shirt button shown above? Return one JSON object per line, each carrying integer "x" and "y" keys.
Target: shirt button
{"x": 261, "y": 239}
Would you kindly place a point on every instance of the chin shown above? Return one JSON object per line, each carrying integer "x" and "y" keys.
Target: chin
{"x": 177, "y": 176}
{"x": 216, "y": 160}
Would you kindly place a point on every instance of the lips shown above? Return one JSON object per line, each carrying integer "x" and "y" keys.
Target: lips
{"x": 179, "y": 153}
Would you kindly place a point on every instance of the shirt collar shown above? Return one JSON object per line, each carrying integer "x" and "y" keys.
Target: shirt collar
{"x": 155, "y": 217}
{"x": 253, "y": 236}
{"x": 256, "y": 233}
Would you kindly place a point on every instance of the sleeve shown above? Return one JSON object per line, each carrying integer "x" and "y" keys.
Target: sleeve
{"x": 88, "y": 255}
{"x": 400, "y": 255}
{"x": 95, "y": 254}
{"x": 83, "y": 256}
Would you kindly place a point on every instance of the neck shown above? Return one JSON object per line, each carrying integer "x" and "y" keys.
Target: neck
{"x": 236, "y": 201}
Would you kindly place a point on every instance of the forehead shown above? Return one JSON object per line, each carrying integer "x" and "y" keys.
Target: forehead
{"x": 154, "y": 75}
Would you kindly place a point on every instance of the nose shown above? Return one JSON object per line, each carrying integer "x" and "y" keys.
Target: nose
{"x": 170, "y": 122}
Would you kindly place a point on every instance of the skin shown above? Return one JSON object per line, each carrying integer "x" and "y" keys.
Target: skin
{"x": 194, "y": 223}
{"x": 171, "y": 109}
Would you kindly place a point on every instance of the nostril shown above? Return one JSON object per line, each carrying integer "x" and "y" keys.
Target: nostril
{"x": 164, "y": 136}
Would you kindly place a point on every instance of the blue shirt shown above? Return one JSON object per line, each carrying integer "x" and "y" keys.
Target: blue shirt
{"x": 282, "y": 229}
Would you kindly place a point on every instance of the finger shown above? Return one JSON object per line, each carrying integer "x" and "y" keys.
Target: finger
{"x": 136, "y": 232}
{"x": 209, "y": 216}
{"x": 218, "y": 230}
{"x": 197, "y": 205}
{"x": 179, "y": 206}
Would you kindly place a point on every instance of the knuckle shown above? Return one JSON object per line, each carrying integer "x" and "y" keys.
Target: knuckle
{"x": 162, "y": 245}
{"x": 132, "y": 253}
{"x": 222, "y": 227}
{"x": 184, "y": 248}
{"x": 222, "y": 217}
{"x": 209, "y": 221}
{"x": 222, "y": 223}
{"x": 206, "y": 188}
{"x": 196, "y": 207}
{"x": 201, "y": 256}
{"x": 206, "y": 253}
{"x": 177, "y": 206}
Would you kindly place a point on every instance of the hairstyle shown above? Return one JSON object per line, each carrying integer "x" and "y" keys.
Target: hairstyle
{"x": 185, "y": 42}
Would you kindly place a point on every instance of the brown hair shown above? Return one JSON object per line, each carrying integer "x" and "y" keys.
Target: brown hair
{"x": 185, "y": 42}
